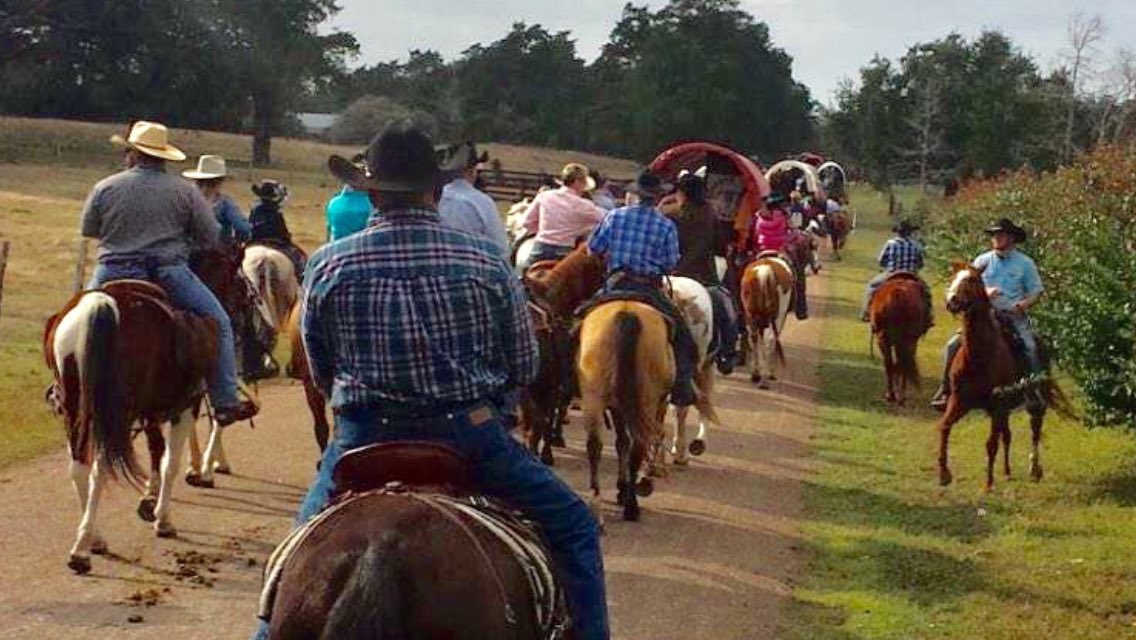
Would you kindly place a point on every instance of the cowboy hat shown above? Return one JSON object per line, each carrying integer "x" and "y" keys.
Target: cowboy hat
{"x": 401, "y": 159}
{"x": 905, "y": 227}
{"x": 150, "y": 138}
{"x": 270, "y": 191}
{"x": 208, "y": 168}
{"x": 459, "y": 157}
{"x": 574, "y": 171}
{"x": 650, "y": 185}
{"x": 1007, "y": 226}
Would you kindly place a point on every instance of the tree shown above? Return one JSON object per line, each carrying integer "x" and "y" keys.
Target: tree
{"x": 1083, "y": 35}
{"x": 369, "y": 114}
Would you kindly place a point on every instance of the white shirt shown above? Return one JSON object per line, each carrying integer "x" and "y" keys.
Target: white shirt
{"x": 465, "y": 208}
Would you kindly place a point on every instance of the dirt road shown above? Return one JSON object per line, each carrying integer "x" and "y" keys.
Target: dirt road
{"x": 713, "y": 557}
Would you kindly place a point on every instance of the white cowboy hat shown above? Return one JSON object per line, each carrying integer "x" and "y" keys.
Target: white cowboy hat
{"x": 152, "y": 139}
{"x": 208, "y": 168}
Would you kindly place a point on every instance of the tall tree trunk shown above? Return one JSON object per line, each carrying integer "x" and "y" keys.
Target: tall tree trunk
{"x": 262, "y": 129}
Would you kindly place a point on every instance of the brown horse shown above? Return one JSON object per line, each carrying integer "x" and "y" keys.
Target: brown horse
{"x": 297, "y": 369}
{"x": 121, "y": 355}
{"x": 626, "y": 365}
{"x": 839, "y": 227}
{"x": 985, "y": 374}
{"x": 411, "y": 563}
{"x": 767, "y": 296}
{"x": 898, "y": 320}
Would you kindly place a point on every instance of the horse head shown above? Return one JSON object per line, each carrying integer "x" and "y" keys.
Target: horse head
{"x": 967, "y": 290}
{"x": 571, "y": 281}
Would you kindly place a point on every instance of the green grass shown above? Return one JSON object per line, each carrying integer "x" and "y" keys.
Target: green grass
{"x": 891, "y": 555}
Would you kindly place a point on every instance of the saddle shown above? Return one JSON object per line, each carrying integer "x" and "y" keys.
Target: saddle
{"x": 903, "y": 275}
{"x": 771, "y": 253}
{"x": 411, "y": 463}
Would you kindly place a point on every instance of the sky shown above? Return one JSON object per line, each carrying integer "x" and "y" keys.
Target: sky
{"x": 829, "y": 40}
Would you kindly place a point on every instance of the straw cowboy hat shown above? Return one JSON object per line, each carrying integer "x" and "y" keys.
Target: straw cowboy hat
{"x": 1007, "y": 226}
{"x": 401, "y": 159}
{"x": 150, "y": 138}
{"x": 208, "y": 168}
{"x": 575, "y": 170}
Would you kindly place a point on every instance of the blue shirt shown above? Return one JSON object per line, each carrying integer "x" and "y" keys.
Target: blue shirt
{"x": 637, "y": 239}
{"x": 410, "y": 312}
{"x": 1015, "y": 275}
{"x": 465, "y": 208}
{"x": 235, "y": 226}
{"x": 347, "y": 213}
{"x": 901, "y": 254}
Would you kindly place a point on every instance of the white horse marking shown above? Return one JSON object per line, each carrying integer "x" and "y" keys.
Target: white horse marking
{"x": 957, "y": 282}
{"x": 694, "y": 302}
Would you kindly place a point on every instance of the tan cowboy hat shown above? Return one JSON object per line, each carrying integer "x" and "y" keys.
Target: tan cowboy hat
{"x": 208, "y": 168}
{"x": 575, "y": 169}
{"x": 150, "y": 138}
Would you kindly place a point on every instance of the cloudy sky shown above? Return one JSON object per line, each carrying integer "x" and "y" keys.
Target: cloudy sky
{"x": 828, "y": 39}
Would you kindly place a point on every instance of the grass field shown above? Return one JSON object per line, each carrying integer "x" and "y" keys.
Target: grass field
{"x": 46, "y": 169}
{"x": 894, "y": 556}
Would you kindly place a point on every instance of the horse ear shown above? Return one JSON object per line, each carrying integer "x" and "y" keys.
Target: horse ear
{"x": 957, "y": 266}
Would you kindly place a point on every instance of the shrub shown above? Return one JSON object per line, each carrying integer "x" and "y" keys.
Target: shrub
{"x": 368, "y": 115}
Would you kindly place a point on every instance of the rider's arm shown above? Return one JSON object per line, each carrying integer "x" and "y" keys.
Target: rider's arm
{"x": 1033, "y": 287}
{"x": 599, "y": 242}
{"x": 885, "y": 256}
{"x": 531, "y": 222}
{"x": 670, "y": 247}
{"x": 203, "y": 226}
{"x": 91, "y": 220}
{"x": 242, "y": 230}
{"x": 522, "y": 355}
{"x": 318, "y": 340}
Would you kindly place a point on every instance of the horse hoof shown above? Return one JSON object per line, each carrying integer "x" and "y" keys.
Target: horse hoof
{"x": 945, "y": 478}
{"x": 547, "y": 459}
{"x": 1036, "y": 474}
{"x": 754, "y": 378}
{"x": 558, "y": 441}
{"x": 195, "y": 480}
{"x": 631, "y": 513}
{"x": 763, "y": 384}
{"x": 697, "y": 447}
{"x": 81, "y": 565}
{"x": 146, "y": 507}
{"x": 223, "y": 469}
{"x": 99, "y": 547}
{"x": 681, "y": 462}
{"x": 165, "y": 531}
{"x": 773, "y": 378}
{"x": 645, "y": 487}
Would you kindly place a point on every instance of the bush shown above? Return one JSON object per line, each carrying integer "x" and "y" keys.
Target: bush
{"x": 369, "y": 114}
{"x": 1083, "y": 237}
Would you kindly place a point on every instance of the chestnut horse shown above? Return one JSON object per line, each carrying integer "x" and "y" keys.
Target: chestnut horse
{"x": 120, "y": 355}
{"x": 767, "y": 296}
{"x": 839, "y": 227}
{"x": 626, "y": 365}
{"x": 898, "y": 320}
{"x": 297, "y": 369}
{"x": 985, "y": 374}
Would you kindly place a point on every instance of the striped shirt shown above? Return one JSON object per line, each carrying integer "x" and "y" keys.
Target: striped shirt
{"x": 413, "y": 313}
{"x": 901, "y": 254}
{"x": 145, "y": 211}
{"x": 637, "y": 239}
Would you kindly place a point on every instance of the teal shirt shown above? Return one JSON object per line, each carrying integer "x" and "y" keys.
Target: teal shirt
{"x": 1015, "y": 275}
{"x": 347, "y": 213}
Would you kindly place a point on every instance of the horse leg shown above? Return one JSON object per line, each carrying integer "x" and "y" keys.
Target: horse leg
{"x": 595, "y": 453}
{"x": 156, "y": 444}
{"x": 88, "y": 481}
{"x": 678, "y": 447}
{"x": 622, "y": 451}
{"x": 215, "y": 460}
{"x": 175, "y": 443}
{"x": 635, "y": 456}
{"x": 193, "y": 475}
{"x": 953, "y": 414}
{"x": 1006, "y": 438}
{"x": 996, "y": 426}
{"x": 1036, "y": 419}
{"x": 889, "y": 365}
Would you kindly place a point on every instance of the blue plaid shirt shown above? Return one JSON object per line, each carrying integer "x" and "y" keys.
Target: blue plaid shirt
{"x": 413, "y": 313}
{"x": 637, "y": 239}
{"x": 902, "y": 254}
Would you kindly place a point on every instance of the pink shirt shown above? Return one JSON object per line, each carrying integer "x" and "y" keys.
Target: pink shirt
{"x": 772, "y": 232}
{"x": 559, "y": 216}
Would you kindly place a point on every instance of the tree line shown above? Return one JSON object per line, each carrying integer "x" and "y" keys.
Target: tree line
{"x": 692, "y": 69}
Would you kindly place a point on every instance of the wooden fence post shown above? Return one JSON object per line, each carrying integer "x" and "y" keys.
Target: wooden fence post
{"x": 80, "y": 267}
{"x": 3, "y": 267}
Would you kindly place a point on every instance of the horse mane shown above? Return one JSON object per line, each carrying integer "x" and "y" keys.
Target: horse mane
{"x": 568, "y": 284}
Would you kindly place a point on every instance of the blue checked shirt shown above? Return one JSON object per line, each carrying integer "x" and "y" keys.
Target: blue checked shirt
{"x": 637, "y": 239}
{"x": 902, "y": 254}
{"x": 412, "y": 313}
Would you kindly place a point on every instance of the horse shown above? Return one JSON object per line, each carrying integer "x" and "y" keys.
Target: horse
{"x": 626, "y": 365}
{"x": 767, "y": 295}
{"x": 985, "y": 374}
{"x": 297, "y": 369}
{"x": 693, "y": 301}
{"x": 899, "y": 320}
{"x": 420, "y": 558}
{"x": 274, "y": 276}
{"x": 839, "y": 227}
{"x": 119, "y": 355}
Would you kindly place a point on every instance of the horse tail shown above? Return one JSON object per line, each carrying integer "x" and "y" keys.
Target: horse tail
{"x": 370, "y": 603}
{"x": 1056, "y": 399}
{"x": 265, "y": 274}
{"x": 773, "y": 294}
{"x": 905, "y": 359}
{"x": 102, "y": 393}
{"x": 628, "y": 328}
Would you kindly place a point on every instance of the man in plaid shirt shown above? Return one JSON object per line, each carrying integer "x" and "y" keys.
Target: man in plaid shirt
{"x": 416, "y": 331}
{"x": 901, "y": 253}
{"x": 640, "y": 246}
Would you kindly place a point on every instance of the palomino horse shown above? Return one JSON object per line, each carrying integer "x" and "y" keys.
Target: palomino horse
{"x": 419, "y": 559}
{"x": 274, "y": 276}
{"x": 899, "y": 319}
{"x": 626, "y": 364}
{"x": 985, "y": 374}
{"x": 767, "y": 297}
{"x": 839, "y": 227}
{"x": 120, "y": 355}
{"x": 297, "y": 368}
{"x": 693, "y": 301}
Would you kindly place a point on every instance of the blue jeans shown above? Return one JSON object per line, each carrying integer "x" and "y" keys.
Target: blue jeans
{"x": 542, "y": 251}
{"x": 1024, "y": 328}
{"x": 188, "y": 293}
{"x": 725, "y": 320}
{"x": 503, "y": 469}
{"x": 873, "y": 284}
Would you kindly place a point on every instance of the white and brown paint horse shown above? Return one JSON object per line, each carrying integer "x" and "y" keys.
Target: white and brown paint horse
{"x": 693, "y": 301}
{"x": 767, "y": 296}
{"x": 274, "y": 276}
{"x": 121, "y": 355}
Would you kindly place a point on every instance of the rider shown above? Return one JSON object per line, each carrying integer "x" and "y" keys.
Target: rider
{"x": 772, "y": 232}
{"x": 699, "y": 241}
{"x": 640, "y": 245}
{"x": 145, "y": 221}
{"x": 1014, "y": 285}
{"x": 464, "y": 207}
{"x": 559, "y": 217}
{"x": 210, "y": 176}
{"x": 349, "y": 210}
{"x": 414, "y": 331}
{"x": 268, "y": 225}
{"x": 901, "y": 253}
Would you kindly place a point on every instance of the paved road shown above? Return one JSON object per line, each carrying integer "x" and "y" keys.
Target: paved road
{"x": 713, "y": 557}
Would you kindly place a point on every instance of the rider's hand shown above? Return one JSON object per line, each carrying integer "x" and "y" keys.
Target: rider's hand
{"x": 1021, "y": 306}
{"x": 993, "y": 292}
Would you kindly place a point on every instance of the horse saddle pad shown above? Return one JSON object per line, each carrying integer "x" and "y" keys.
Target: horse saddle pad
{"x": 780, "y": 255}
{"x": 903, "y": 275}
{"x": 416, "y": 464}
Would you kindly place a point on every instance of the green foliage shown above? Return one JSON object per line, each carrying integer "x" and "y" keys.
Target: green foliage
{"x": 1083, "y": 237}
{"x": 369, "y": 114}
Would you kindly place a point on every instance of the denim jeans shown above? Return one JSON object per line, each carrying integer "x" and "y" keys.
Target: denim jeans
{"x": 188, "y": 293}
{"x": 1024, "y": 328}
{"x": 873, "y": 284}
{"x": 503, "y": 469}
{"x": 725, "y": 320}
{"x": 542, "y": 251}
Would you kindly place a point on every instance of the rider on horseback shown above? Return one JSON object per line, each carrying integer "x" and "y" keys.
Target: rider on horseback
{"x": 1014, "y": 285}
{"x": 210, "y": 176}
{"x": 415, "y": 331}
{"x": 640, "y": 246}
{"x": 463, "y": 206}
{"x": 141, "y": 218}
{"x": 901, "y": 254}
{"x": 772, "y": 232}
{"x": 268, "y": 225}
{"x": 559, "y": 217}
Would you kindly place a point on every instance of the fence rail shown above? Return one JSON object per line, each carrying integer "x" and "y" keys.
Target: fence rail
{"x": 512, "y": 186}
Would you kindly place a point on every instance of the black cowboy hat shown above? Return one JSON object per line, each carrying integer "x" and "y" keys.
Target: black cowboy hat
{"x": 905, "y": 227}
{"x": 1007, "y": 226}
{"x": 650, "y": 185}
{"x": 401, "y": 159}
{"x": 270, "y": 191}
